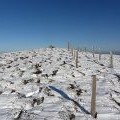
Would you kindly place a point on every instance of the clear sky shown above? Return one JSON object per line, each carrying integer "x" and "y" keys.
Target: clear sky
{"x": 28, "y": 24}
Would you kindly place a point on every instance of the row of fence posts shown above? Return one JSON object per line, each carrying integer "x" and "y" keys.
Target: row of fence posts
{"x": 75, "y": 55}
{"x": 93, "y": 97}
{"x": 99, "y": 53}
{"x": 111, "y": 56}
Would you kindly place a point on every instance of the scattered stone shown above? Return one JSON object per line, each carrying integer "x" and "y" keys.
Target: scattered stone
{"x": 66, "y": 115}
{"x": 21, "y": 95}
{"x": 54, "y": 72}
{"x": 13, "y": 91}
{"x": 78, "y": 92}
{"x": 1, "y": 92}
{"x": 16, "y": 113}
{"x": 37, "y": 72}
{"x": 45, "y": 75}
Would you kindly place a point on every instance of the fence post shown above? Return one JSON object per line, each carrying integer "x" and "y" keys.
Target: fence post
{"x": 99, "y": 54}
{"x": 93, "y": 51}
{"x": 72, "y": 50}
{"x": 93, "y": 98}
{"x": 76, "y": 58}
{"x": 111, "y": 59}
{"x": 85, "y": 49}
{"x": 74, "y": 54}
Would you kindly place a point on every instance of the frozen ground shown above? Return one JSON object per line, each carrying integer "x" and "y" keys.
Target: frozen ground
{"x": 44, "y": 84}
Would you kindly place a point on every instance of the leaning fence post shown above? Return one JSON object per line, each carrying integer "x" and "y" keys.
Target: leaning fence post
{"x": 93, "y": 98}
{"x": 111, "y": 59}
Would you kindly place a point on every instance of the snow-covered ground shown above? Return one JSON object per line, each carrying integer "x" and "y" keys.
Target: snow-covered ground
{"x": 44, "y": 84}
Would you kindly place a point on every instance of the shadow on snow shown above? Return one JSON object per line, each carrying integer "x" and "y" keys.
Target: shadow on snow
{"x": 68, "y": 98}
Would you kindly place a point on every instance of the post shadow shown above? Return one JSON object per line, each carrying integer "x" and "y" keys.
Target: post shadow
{"x": 63, "y": 94}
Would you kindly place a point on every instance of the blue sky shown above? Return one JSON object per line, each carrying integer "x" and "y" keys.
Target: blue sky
{"x": 29, "y": 24}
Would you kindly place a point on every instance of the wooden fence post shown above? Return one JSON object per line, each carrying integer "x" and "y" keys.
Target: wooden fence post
{"x": 99, "y": 54}
{"x": 72, "y": 50}
{"x": 85, "y": 49}
{"x": 76, "y": 58}
{"x": 74, "y": 54}
{"x": 93, "y": 51}
{"x": 111, "y": 59}
{"x": 93, "y": 98}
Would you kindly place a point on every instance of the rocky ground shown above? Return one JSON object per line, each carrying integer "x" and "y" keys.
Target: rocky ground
{"x": 45, "y": 84}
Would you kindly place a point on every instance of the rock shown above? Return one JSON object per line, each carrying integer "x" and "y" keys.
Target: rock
{"x": 16, "y": 113}
{"x": 37, "y": 101}
{"x": 66, "y": 115}
{"x": 54, "y": 72}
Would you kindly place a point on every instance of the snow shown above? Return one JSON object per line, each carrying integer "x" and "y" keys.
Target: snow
{"x": 44, "y": 84}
